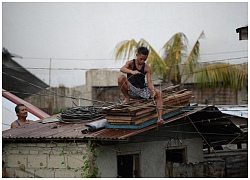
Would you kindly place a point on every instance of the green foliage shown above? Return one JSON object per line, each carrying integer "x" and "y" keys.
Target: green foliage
{"x": 88, "y": 169}
{"x": 57, "y": 111}
{"x": 222, "y": 75}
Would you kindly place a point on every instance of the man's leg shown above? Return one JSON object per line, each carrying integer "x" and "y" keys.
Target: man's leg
{"x": 159, "y": 103}
{"x": 124, "y": 86}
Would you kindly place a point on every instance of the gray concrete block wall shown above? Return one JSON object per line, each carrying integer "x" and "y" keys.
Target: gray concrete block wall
{"x": 47, "y": 160}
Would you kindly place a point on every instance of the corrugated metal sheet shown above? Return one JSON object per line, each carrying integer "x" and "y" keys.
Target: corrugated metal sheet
{"x": 59, "y": 130}
{"x": 240, "y": 110}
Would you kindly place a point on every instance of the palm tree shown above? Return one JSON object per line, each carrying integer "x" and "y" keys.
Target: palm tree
{"x": 175, "y": 52}
{"x": 168, "y": 67}
{"x": 177, "y": 65}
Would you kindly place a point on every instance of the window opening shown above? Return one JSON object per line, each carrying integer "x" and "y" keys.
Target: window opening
{"x": 176, "y": 155}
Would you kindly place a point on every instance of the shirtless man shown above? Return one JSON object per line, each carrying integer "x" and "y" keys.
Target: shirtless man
{"x": 22, "y": 113}
{"x": 133, "y": 86}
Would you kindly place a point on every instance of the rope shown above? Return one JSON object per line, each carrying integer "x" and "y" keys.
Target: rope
{"x": 198, "y": 130}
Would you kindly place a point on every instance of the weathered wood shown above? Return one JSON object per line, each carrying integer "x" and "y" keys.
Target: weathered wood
{"x": 151, "y": 121}
{"x": 138, "y": 121}
{"x": 119, "y": 122}
{"x": 129, "y": 118}
{"x": 140, "y": 111}
{"x": 133, "y": 110}
{"x": 170, "y": 88}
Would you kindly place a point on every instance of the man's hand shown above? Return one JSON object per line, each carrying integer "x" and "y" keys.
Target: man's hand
{"x": 153, "y": 94}
{"x": 135, "y": 72}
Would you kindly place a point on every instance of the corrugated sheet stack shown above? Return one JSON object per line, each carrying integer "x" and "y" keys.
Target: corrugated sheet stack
{"x": 136, "y": 112}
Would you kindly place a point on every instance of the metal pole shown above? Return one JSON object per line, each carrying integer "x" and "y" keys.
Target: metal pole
{"x": 50, "y": 71}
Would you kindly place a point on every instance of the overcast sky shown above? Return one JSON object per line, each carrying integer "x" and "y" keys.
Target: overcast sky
{"x": 80, "y": 36}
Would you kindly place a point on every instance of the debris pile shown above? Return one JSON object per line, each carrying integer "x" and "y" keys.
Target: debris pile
{"x": 136, "y": 112}
{"x": 79, "y": 114}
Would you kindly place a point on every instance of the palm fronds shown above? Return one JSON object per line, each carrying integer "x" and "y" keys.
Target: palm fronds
{"x": 221, "y": 75}
{"x": 175, "y": 50}
{"x": 170, "y": 68}
{"x": 125, "y": 49}
{"x": 159, "y": 67}
{"x": 191, "y": 61}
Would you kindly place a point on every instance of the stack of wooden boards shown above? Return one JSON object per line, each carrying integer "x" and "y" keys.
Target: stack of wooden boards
{"x": 136, "y": 112}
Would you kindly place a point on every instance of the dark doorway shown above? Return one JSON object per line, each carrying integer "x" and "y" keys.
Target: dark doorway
{"x": 128, "y": 166}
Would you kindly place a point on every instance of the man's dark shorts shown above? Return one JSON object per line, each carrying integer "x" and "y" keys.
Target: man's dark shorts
{"x": 135, "y": 92}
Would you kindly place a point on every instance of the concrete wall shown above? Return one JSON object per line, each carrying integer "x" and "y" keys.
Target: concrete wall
{"x": 152, "y": 156}
{"x": 63, "y": 97}
{"x": 211, "y": 169}
{"x": 218, "y": 96}
{"x": 47, "y": 160}
{"x": 55, "y": 160}
{"x": 58, "y": 98}
{"x": 99, "y": 78}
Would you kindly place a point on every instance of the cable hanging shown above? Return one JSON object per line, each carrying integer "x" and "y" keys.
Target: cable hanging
{"x": 172, "y": 65}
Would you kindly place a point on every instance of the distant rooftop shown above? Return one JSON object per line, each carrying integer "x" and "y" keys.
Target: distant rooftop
{"x": 235, "y": 110}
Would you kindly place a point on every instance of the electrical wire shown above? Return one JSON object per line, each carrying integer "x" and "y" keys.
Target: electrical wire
{"x": 172, "y": 65}
{"x": 199, "y": 132}
{"x": 105, "y": 59}
{"x": 57, "y": 94}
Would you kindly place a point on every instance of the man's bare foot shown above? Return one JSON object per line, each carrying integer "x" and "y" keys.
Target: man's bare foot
{"x": 125, "y": 100}
{"x": 160, "y": 122}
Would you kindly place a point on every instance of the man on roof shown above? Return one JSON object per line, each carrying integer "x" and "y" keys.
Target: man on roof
{"x": 22, "y": 113}
{"x": 134, "y": 86}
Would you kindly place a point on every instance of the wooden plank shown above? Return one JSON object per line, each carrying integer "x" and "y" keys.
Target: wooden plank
{"x": 172, "y": 99}
{"x": 173, "y": 105}
{"x": 150, "y": 122}
{"x": 125, "y": 118}
{"x": 144, "y": 112}
{"x": 139, "y": 108}
{"x": 120, "y": 122}
{"x": 131, "y": 119}
{"x": 155, "y": 115}
{"x": 175, "y": 100}
{"x": 170, "y": 88}
{"x": 141, "y": 118}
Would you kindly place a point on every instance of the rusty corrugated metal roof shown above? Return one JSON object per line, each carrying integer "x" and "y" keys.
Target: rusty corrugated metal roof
{"x": 60, "y": 130}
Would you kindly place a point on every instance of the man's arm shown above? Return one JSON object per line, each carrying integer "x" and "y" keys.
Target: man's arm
{"x": 13, "y": 124}
{"x": 127, "y": 68}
